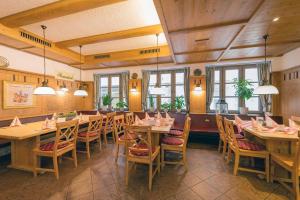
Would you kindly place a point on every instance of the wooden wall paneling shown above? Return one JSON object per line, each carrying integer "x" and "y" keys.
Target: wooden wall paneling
{"x": 276, "y": 99}
{"x": 44, "y": 104}
{"x": 197, "y": 100}
{"x": 135, "y": 98}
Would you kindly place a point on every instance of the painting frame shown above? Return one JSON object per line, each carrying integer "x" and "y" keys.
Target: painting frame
{"x": 24, "y": 86}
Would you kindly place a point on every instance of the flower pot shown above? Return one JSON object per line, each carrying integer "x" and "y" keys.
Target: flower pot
{"x": 243, "y": 110}
{"x": 104, "y": 108}
{"x": 166, "y": 110}
{"x": 151, "y": 109}
{"x": 121, "y": 109}
{"x": 178, "y": 110}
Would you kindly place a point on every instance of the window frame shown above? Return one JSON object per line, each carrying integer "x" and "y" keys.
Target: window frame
{"x": 222, "y": 93}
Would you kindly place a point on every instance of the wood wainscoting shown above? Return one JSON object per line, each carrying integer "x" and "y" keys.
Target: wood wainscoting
{"x": 45, "y": 104}
{"x": 288, "y": 83}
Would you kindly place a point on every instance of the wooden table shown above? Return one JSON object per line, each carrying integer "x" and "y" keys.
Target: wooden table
{"x": 23, "y": 140}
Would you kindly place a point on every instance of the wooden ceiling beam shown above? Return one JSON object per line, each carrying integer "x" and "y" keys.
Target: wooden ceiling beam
{"x": 33, "y": 40}
{"x": 210, "y": 26}
{"x": 53, "y": 10}
{"x": 128, "y": 55}
{"x": 163, "y": 21}
{"x": 136, "y": 32}
{"x": 244, "y": 27}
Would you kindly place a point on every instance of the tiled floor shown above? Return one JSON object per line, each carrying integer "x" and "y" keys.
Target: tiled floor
{"x": 208, "y": 178}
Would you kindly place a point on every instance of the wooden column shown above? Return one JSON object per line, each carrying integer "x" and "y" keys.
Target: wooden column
{"x": 135, "y": 98}
{"x": 197, "y": 99}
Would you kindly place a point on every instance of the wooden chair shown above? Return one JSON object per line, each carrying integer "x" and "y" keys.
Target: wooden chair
{"x": 129, "y": 118}
{"x": 64, "y": 141}
{"x": 222, "y": 135}
{"x": 244, "y": 148}
{"x": 109, "y": 126}
{"x": 142, "y": 151}
{"x": 291, "y": 163}
{"x": 177, "y": 145}
{"x": 93, "y": 133}
{"x": 119, "y": 131}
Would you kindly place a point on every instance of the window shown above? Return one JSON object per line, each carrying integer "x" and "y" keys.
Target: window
{"x": 111, "y": 84}
{"x": 173, "y": 84}
{"x": 224, "y": 87}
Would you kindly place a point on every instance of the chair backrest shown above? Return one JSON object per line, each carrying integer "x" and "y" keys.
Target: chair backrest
{"x": 119, "y": 125}
{"x": 109, "y": 122}
{"x": 144, "y": 138}
{"x": 220, "y": 125}
{"x": 230, "y": 133}
{"x": 129, "y": 118}
{"x": 95, "y": 123}
{"x": 66, "y": 133}
{"x": 186, "y": 130}
{"x": 296, "y": 155}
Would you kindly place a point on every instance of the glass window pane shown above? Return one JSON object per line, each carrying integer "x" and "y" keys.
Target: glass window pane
{"x": 179, "y": 78}
{"x": 115, "y": 81}
{"x": 115, "y": 92}
{"x": 165, "y": 79}
{"x": 104, "y": 82}
{"x": 216, "y": 90}
{"x": 213, "y": 103}
{"x": 103, "y": 91}
{"x": 233, "y": 103}
{"x": 152, "y": 79}
{"x": 231, "y": 74}
{"x": 251, "y": 74}
{"x": 252, "y": 104}
{"x": 179, "y": 90}
{"x": 167, "y": 91}
{"x": 217, "y": 76}
{"x": 229, "y": 90}
{"x": 165, "y": 100}
{"x": 148, "y": 102}
{"x": 114, "y": 102}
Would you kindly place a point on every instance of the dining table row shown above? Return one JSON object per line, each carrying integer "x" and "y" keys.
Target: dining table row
{"x": 142, "y": 141}
{"x": 262, "y": 139}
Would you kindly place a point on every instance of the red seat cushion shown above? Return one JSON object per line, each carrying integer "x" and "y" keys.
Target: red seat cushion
{"x": 50, "y": 145}
{"x": 248, "y": 145}
{"x": 140, "y": 150}
{"x": 176, "y": 132}
{"x": 239, "y": 136}
{"x": 130, "y": 136}
{"x": 90, "y": 134}
{"x": 172, "y": 141}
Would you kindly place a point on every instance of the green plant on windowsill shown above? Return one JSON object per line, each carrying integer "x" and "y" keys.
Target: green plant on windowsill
{"x": 166, "y": 107}
{"x": 121, "y": 105}
{"x": 243, "y": 90}
{"x": 106, "y": 100}
{"x": 179, "y": 103}
{"x": 151, "y": 102}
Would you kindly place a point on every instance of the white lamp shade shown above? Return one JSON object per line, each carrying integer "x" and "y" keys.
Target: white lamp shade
{"x": 266, "y": 89}
{"x": 157, "y": 91}
{"x": 81, "y": 93}
{"x": 44, "y": 90}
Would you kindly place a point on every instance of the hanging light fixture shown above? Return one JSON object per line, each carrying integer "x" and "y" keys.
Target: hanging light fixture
{"x": 44, "y": 89}
{"x": 64, "y": 88}
{"x": 157, "y": 90}
{"x": 81, "y": 92}
{"x": 267, "y": 88}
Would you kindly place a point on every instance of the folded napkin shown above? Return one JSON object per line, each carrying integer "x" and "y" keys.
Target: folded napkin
{"x": 15, "y": 122}
{"x": 138, "y": 121}
{"x": 168, "y": 116}
{"x": 147, "y": 117}
{"x": 159, "y": 115}
{"x": 270, "y": 122}
{"x": 48, "y": 124}
{"x": 54, "y": 116}
{"x": 294, "y": 124}
{"x": 98, "y": 113}
{"x": 241, "y": 124}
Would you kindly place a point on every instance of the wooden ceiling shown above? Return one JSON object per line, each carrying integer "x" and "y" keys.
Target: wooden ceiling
{"x": 191, "y": 31}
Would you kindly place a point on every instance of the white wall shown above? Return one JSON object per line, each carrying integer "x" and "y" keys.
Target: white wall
{"x": 291, "y": 59}
{"x": 20, "y": 60}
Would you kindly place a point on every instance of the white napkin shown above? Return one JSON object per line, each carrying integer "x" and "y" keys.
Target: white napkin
{"x": 159, "y": 115}
{"x": 168, "y": 116}
{"x": 238, "y": 120}
{"x": 15, "y": 122}
{"x": 54, "y": 116}
{"x": 147, "y": 117}
{"x": 138, "y": 121}
{"x": 270, "y": 122}
{"x": 293, "y": 124}
{"x": 98, "y": 113}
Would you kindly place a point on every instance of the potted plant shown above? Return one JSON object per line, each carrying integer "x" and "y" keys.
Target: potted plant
{"x": 179, "y": 103}
{"x": 166, "y": 107}
{"x": 243, "y": 90}
{"x": 121, "y": 105}
{"x": 151, "y": 102}
{"x": 106, "y": 99}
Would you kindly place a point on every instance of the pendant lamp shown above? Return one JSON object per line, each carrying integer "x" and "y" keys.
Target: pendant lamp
{"x": 157, "y": 90}
{"x": 44, "y": 89}
{"x": 81, "y": 92}
{"x": 268, "y": 88}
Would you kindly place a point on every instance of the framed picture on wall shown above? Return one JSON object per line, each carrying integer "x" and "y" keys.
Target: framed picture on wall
{"x": 18, "y": 95}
